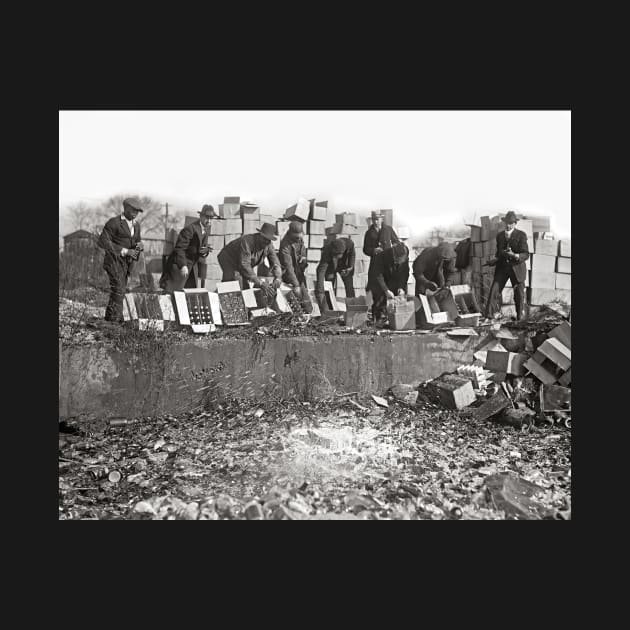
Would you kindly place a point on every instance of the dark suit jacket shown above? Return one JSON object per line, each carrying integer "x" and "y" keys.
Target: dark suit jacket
{"x": 384, "y": 275}
{"x": 383, "y": 238}
{"x": 518, "y": 244}
{"x": 326, "y": 263}
{"x": 185, "y": 254}
{"x": 290, "y": 253}
{"x": 113, "y": 238}
{"x": 432, "y": 265}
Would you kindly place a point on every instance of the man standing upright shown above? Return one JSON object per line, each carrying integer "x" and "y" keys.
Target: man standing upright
{"x": 120, "y": 239}
{"x": 509, "y": 262}
{"x": 181, "y": 270}
{"x": 240, "y": 256}
{"x": 379, "y": 237}
{"x": 338, "y": 257}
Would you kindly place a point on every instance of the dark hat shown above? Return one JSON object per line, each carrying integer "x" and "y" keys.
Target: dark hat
{"x": 268, "y": 231}
{"x": 296, "y": 227}
{"x": 510, "y": 217}
{"x": 133, "y": 202}
{"x": 208, "y": 209}
{"x": 337, "y": 247}
{"x": 376, "y": 214}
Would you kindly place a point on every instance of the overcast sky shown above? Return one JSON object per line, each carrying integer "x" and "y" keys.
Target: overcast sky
{"x": 434, "y": 168}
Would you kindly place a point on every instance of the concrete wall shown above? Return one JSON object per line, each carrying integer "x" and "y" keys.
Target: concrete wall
{"x": 96, "y": 380}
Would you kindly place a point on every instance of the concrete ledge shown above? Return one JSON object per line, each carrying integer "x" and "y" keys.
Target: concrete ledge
{"x": 97, "y": 380}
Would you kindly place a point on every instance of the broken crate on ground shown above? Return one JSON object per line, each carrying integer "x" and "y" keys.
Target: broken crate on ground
{"x": 454, "y": 392}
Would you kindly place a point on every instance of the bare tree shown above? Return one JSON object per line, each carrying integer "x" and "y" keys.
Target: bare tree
{"x": 81, "y": 216}
{"x": 151, "y": 220}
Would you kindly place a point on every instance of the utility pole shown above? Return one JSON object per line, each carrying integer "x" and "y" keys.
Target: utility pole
{"x": 164, "y": 256}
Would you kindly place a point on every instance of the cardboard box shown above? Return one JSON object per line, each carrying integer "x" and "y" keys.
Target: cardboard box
{"x": 543, "y": 263}
{"x": 478, "y": 249}
{"x": 299, "y": 211}
{"x": 489, "y": 249}
{"x": 250, "y": 212}
{"x": 546, "y": 247}
{"x": 563, "y": 265}
{"x": 508, "y": 362}
{"x": 230, "y": 210}
{"x": 563, "y": 281}
{"x": 475, "y": 233}
{"x": 346, "y": 218}
{"x": 543, "y": 375}
{"x": 316, "y": 227}
{"x": 313, "y": 255}
{"x": 250, "y": 226}
{"x": 317, "y": 212}
{"x": 542, "y": 280}
{"x": 216, "y": 241}
{"x": 388, "y": 217}
{"x": 562, "y": 333}
{"x": 316, "y": 241}
{"x": 556, "y": 352}
{"x": 455, "y": 392}
{"x": 565, "y": 248}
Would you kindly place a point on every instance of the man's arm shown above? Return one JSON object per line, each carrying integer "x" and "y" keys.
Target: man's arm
{"x": 419, "y": 268}
{"x": 272, "y": 257}
{"x": 105, "y": 240}
{"x": 246, "y": 261}
{"x": 321, "y": 277}
{"x": 352, "y": 255}
{"x": 403, "y": 277}
{"x": 370, "y": 243}
{"x": 181, "y": 245}
{"x": 523, "y": 254}
{"x": 286, "y": 261}
{"x": 450, "y": 271}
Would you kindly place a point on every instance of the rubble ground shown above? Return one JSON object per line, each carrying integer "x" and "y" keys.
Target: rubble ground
{"x": 330, "y": 460}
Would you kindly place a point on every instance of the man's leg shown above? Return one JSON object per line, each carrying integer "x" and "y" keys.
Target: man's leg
{"x": 348, "y": 283}
{"x": 519, "y": 295}
{"x": 498, "y": 283}
{"x": 379, "y": 306}
{"x": 118, "y": 284}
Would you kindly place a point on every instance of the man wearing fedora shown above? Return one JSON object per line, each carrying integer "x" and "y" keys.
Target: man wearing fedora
{"x": 182, "y": 268}
{"x": 293, "y": 256}
{"x": 120, "y": 239}
{"x": 240, "y": 256}
{"x": 509, "y": 263}
{"x": 338, "y": 257}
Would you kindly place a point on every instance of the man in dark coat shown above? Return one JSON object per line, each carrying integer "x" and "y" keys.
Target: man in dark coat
{"x": 120, "y": 239}
{"x": 509, "y": 262}
{"x": 181, "y": 270}
{"x": 388, "y": 276}
{"x": 434, "y": 268}
{"x": 293, "y": 256}
{"x": 239, "y": 256}
{"x": 338, "y": 257}
{"x": 378, "y": 238}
